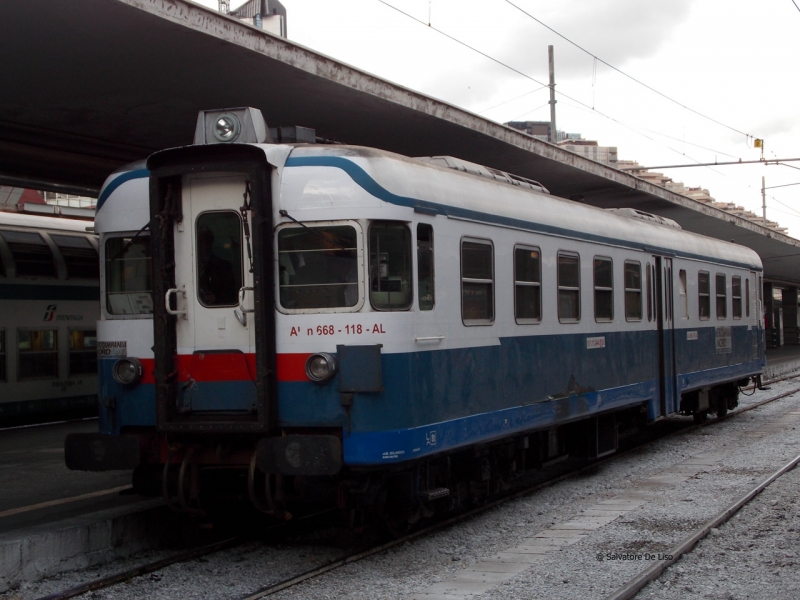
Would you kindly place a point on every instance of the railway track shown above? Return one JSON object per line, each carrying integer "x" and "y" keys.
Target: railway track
{"x": 318, "y": 570}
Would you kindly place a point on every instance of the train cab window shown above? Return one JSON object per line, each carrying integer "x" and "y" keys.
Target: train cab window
{"x": 704, "y": 295}
{"x": 633, "y": 291}
{"x": 683, "y": 294}
{"x": 219, "y": 258}
{"x": 747, "y": 296}
{"x": 129, "y": 276}
{"x": 736, "y": 297}
{"x": 527, "y": 285}
{"x": 603, "y": 289}
{"x": 722, "y": 296}
{"x": 427, "y": 296}
{"x": 318, "y": 267}
{"x": 477, "y": 282}
{"x": 390, "y": 266}
{"x": 569, "y": 287}
{"x": 80, "y": 256}
{"x": 32, "y": 255}
{"x": 82, "y": 352}
{"x": 3, "y": 356}
{"x": 38, "y": 354}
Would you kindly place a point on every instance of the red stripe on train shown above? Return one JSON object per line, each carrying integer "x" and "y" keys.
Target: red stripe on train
{"x": 233, "y": 366}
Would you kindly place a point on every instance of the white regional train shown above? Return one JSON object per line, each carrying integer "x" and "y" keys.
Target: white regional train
{"x": 348, "y": 324}
{"x": 49, "y": 290}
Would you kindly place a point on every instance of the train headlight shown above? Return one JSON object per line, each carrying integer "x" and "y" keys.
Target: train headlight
{"x": 127, "y": 371}
{"x": 226, "y": 128}
{"x": 320, "y": 367}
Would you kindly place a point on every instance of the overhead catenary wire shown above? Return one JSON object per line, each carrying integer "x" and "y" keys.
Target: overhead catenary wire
{"x": 623, "y": 73}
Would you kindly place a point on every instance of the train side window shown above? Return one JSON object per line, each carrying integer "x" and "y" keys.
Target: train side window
{"x": 37, "y": 354}
{"x": 633, "y": 291}
{"x": 477, "y": 282}
{"x": 79, "y": 255}
{"x": 704, "y": 294}
{"x": 129, "y": 276}
{"x": 683, "y": 294}
{"x": 527, "y": 285}
{"x": 569, "y": 287}
{"x": 649, "y": 293}
{"x": 82, "y": 352}
{"x": 722, "y": 296}
{"x": 736, "y": 297}
{"x": 747, "y": 296}
{"x": 425, "y": 280}
{"x": 603, "y": 289}
{"x": 3, "y": 356}
{"x": 219, "y": 258}
{"x": 318, "y": 267}
{"x": 390, "y": 280}
{"x": 32, "y": 255}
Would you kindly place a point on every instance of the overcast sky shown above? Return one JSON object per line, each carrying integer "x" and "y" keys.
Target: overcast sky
{"x": 734, "y": 61}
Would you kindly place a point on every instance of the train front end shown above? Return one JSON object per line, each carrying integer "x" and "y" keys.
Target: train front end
{"x": 212, "y": 215}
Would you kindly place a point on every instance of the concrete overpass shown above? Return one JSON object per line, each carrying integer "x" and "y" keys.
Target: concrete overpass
{"x": 92, "y": 84}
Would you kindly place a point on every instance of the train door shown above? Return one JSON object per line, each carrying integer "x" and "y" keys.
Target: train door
{"x": 667, "y": 384}
{"x": 215, "y": 340}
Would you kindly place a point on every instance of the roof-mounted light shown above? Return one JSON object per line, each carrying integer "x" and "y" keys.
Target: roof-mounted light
{"x": 231, "y": 125}
{"x": 227, "y": 128}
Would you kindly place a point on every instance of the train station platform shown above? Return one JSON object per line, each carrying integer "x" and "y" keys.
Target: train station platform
{"x": 782, "y": 361}
{"x": 53, "y": 520}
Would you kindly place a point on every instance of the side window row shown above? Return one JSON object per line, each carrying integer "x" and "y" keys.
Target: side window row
{"x": 31, "y": 255}
{"x": 37, "y": 354}
{"x": 477, "y": 285}
{"x": 721, "y": 295}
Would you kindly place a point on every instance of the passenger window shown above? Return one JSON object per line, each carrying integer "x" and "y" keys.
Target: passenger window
{"x": 390, "y": 266}
{"x": 38, "y": 354}
{"x": 736, "y": 297}
{"x": 79, "y": 255}
{"x": 477, "y": 282}
{"x": 82, "y": 352}
{"x": 3, "y": 356}
{"x": 633, "y": 291}
{"x": 318, "y": 267}
{"x": 649, "y": 294}
{"x": 527, "y": 285}
{"x": 704, "y": 295}
{"x": 569, "y": 287}
{"x": 683, "y": 294}
{"x": 219, "y": 258}
{"x": 129, "y": 276}
{"x": 32, "y": 255}
{"x": 427, "y": 296}
{"x": 747, "y": 296}
{"x": 603, "y": 289}
{"x": 722, "y": 296}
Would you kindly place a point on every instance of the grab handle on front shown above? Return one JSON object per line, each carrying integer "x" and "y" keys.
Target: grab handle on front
{"x": 175, "y": 291}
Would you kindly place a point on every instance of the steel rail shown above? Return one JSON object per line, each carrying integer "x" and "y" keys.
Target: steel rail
{"x": 108, "y": 581}
{"x": 633, "y": 586}
{"x": 337, "y": 563}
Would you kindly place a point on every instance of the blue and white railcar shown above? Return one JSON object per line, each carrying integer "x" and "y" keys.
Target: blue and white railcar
{"x": 48, "y": 309}
{"x": 345, "y": 312}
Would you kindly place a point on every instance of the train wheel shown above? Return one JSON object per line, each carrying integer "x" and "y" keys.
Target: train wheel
{"x": 721, "y": 412}
{"x": 700, "y": 416}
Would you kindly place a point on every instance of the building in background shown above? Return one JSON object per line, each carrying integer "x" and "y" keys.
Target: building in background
{"x": 269, "y": 15}
{"x": 573, "y": 142}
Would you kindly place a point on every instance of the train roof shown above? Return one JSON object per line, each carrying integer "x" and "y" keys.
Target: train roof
{"x": 429, "y": 187}
{"x": 41, "y": 222}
